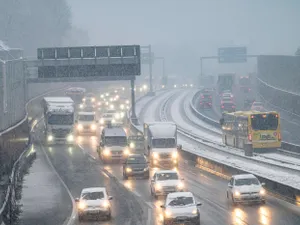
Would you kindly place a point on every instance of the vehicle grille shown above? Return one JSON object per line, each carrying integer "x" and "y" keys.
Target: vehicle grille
{"x": 169, "y": 188}
{"x": 86, "y": 127}
{"x": 117, "y": 152}
{"x": 250, "y": 193}
{"x": 60, "y": 133}
{"x": 138, "y": 169}
{"x": 165, "y": 155}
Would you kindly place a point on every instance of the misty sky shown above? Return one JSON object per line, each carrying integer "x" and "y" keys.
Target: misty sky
{"x": 184, "y": 30}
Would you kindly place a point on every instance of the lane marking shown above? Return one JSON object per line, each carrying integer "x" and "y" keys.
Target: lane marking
{"x": 136, "y": 193}
{"x": 86, "y": 152}
{"x": 149, "y": 218}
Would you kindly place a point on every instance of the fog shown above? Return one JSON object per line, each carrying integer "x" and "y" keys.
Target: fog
{"x": 182, "y": 30}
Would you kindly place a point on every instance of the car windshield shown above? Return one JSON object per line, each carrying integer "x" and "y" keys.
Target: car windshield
{"x": 257, "y": 104}
{"x": 167, "y": 176}
{"x": 264, "y": 122}
{"x": 61, "y": 119}
{"x": 246, "y": 181}
{"x": 136, "y": 160}
{"x": 92, "y": 195}
{"x": 115, "y": 141}
{"x": 164, "y": 143}
{"x": 181, "y": 201}
{"x": 86, "y": 117}
{"x": 107, "y": 116}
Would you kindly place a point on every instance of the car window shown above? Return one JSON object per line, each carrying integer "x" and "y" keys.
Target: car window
{"x": 181, "y": 201}
{"x": 167, "y": 176}
{"x": 93, "y": 195}
{"x": 135, "y": 160}
{"x": 231, "y": 181}
{"x": 246, "y": 181}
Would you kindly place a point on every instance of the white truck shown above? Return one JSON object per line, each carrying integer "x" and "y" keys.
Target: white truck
{"x": 58, "y": 120}
{"x": 160, "y": 143}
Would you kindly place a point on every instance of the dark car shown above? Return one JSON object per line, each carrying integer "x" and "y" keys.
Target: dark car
{"x": 135, "y": 165}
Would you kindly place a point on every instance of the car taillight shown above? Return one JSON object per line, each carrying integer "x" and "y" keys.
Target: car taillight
{"x": 233, "y": 106}
{"x": 202, "y": 96}
{"x": 222, "y": 106}
{"x": 209, "y": 103}
{"x": 210, "y": 96}
{"x": 279, "y": 136}
{"x": 250, "y": 137}
{"x": 200, "y": 103}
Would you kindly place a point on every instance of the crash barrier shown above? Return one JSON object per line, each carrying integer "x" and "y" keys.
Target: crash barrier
{"x": 12, "y": 93}
{"x": 15, "y": 143}
{"x": 279, "y": 190}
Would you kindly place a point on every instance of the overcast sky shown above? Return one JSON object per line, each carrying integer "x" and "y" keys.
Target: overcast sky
{"x": 184, "y": 30}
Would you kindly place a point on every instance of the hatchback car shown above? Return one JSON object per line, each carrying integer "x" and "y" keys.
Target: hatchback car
{"x": 245, "y": 188}
{"x": 181, "y": 208}
{"x": 136, "y": 165}
{"x": 94, "y": 203}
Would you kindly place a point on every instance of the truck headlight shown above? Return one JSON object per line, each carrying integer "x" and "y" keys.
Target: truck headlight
{"x": 157, "y": 186}
{"x": 236, "y": 193}
{"x": 79, "y": 127}
{"x": 81, "y": 106}
{"x": 180, "y": 185}
{"x": 174, "y": 155}
{"x": 122, "y": 114}
{"x": 106, "y": 152}
{"x": 93, "y": 99}
{"x": 168, "y": 213}
{"x": 126, "y": 151}
{"x": 128, "y": 170}
{"x": 113, "y": 120}
{"x": 155, "y": 155}
{"x": 93, "y": 127}
{"x": 70, "y": 138}
{"x": 117, "y": 116}
{"x": 262, "y": 192}
{"x": 122, "y": 106}
{"x": 132, "y": 145}
{"x": 101, "y": 121}
{"x": 81, "y": 205}
{"x": 50, "y": 138}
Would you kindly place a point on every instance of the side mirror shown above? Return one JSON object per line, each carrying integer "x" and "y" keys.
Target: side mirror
{"x": 76, "y": 199}
{"x": 263, "y": 184}
{"x": 199, "y": 204}
{"x": 110, "y": 198}
{"x": 162, "y": 206}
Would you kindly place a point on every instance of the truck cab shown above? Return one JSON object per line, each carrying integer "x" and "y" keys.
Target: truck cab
{"x": 86, "y": 123}
{"x": 160, "y": 139}
{"x": 113, "y": 145}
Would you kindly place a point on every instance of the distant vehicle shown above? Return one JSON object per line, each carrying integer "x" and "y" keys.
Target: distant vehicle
{"x": 136, "y": 165}
{"x": 164, "y": 182}
{"x": 205, "y": 100}
{"x": 90, "y": 100}
{"x": 245, "y": 188}
{"x": 94, "y": 202}
{"x": 76, "y": 94}
{"x": 161, "y": 143}
{"x": 227, "y": 95}
{"x": 251, "y": 129}
{"x": 257, "y": 106}
{"x": 113, "y": 145}
{"x": 227, "y": 106}
{"x": 111, "y": 116}
{"x": 86, "y": 123}
{"x": 181, "y": 208}
{"x": 244, "y": 83}
{"x": 225, "y": 82}
{"x": 58, "y": 120}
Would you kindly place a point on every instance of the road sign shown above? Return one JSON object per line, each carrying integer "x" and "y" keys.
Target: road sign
{"x": 88, "y": 62}
{"x": 232, "y": 55}
{"x": 145, "y": 58}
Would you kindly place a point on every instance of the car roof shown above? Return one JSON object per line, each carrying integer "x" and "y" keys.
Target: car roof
{"x": 116, "y": 131}
{"x": 93, "y": 189}
{"x": 180, "y": 194}
{"x": 165, "y": 171}
{"x": 243, "y": 176}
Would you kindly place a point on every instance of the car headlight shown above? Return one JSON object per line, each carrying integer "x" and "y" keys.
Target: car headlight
{"x": 195, "y": 212}
{"x": 83, "y": 99}
{"x": 50, "y": 138}
{"x": 106, "y": 152}
{"x": 127, "y": 101}
{"x": 102, "y": 121}
{"x": 126, "y": 152}
{"x": 79, "y": 127}
{"x": 157, "y": 186}
{"x": 81, "y": 205}
{"x": 113, "y": 120}
{"x": 262, "y": 192}
{"x": 105, "y": 204}
{"x": 117, "y": 116}
{"x": 93, "y": 99}
{"x": 70, "y": 138}
{"x": 174, "y": 155}
{"x": 93, "y": 127}
{"x": 155, "y": 155}
{"x": 122, "y": 106}
{"x": 122, "y": 114}
{"x": 168, "y": 213}
{"x": 180, "y": 185}
{"x": 132, "y": 145}
{"x": 236, "y": 193}
{"x": 128, "y": 170}
{"x": 81, "y": 106}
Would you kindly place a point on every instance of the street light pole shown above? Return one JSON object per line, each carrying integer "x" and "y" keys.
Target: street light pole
{"x": 150, "y": 70}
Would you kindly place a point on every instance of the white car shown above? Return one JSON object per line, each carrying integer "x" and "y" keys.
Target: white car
{"x": 245, "y": 188}
{"x": 94, "y": 202}
{"x": 257, "y": 106}
{"x": 181, "y": 208}
{"x": 165, "y": 182}
{"x": 86, "y": 123}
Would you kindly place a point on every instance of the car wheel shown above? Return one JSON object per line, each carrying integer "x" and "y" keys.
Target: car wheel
{"x": 80, "y": 218}
{"x": 263, "y": 202}
{"x": 198, "y": 222}
{"x": 108, "y": 216}
{"x": 233, "y": 202}
{"x": 125, "y": 177}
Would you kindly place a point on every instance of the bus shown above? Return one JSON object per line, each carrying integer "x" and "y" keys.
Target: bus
{"x": 257, "y": 130}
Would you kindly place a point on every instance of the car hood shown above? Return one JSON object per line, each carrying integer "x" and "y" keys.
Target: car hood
{"x": 168, "y": 182}
{"x": 182, "y": 210}
{"x": 116, "y": 148}
{"x": 141, "y": 165}
{"x": 163, "y": 150}
{"x": 248, "y": 188}
{"x": 86, "y": 122}
{"x": 98, "y": 202}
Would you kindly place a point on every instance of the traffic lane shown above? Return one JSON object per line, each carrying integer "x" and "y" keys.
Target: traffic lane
{"x": 79, "y": 171}
{"x": 211, "y": 189}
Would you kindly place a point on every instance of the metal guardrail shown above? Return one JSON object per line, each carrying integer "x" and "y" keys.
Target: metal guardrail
{"x": 274, "y": 188}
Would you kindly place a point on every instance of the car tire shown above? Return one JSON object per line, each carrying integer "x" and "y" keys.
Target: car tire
{"x": 80, "y": 218}
{"x": 125, "y": 177}
{"x": 198, "y": 222}
{"x": 233, "y": 202}
{"x": 263, "y": 202}
{"x": 108, "y": 216}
